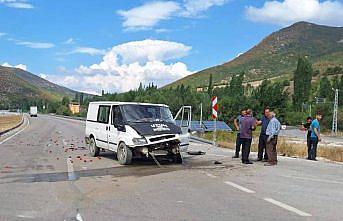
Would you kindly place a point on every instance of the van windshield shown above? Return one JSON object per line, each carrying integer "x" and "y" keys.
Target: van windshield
{"x": 146, "y": 113}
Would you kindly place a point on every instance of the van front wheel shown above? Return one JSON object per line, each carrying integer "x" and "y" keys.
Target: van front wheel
{"x": 124, "y": 154}
{"x": 93, "y": 149}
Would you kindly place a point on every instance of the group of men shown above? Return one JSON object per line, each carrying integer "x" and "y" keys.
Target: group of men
{"x": 245, "y": 124}
{"x": 313, "y": 135}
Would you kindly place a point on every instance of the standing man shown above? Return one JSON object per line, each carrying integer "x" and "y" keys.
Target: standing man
{"x": 248, "y": 124}
{"x": 237, "y": 123}
{"x": 272, "y": 132}
{"x": 262, "y": 141}
{"x": 315, "y": 136}
{"x": 307, "y": 126}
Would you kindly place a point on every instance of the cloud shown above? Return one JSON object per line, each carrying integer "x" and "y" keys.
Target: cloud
{"x": 21, "y": 4}
{"x": 87, "y": 50}
{"x": 290, "y": 11}
{"x": 44, "y": 76}
{"x": 69, "y": 41}
{"x": 195, "y": 7}
{"x": 126, "y": 65}
{"x": 2, "y": 34}
{"x": 21, "y": 66}
{"x": 30, "y": 44}
{"x": 148, "y": 15}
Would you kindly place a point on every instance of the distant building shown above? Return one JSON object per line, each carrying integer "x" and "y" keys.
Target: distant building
{"x": 74, "y": 108}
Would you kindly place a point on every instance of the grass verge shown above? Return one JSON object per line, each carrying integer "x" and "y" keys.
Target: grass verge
{"x": 284, "y": 147}
{"x": 9, "y": 121}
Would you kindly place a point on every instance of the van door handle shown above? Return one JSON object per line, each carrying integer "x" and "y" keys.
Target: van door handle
{"x": 106, "y": 127}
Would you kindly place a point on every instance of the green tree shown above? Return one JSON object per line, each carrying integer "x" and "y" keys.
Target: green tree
{"x": 65, "y": 101}
{"x": 325, "y": 88}
{"x": 210, "y": 86}
{"x": 302, "y": 82}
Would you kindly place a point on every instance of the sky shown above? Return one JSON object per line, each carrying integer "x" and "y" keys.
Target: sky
{"x": 113, "y": 45}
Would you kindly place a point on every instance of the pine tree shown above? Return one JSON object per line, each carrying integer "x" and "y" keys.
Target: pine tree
{"x": 302, "y": 82}
{"x": 210, "y": 86}
{"x": 325, "y": 90}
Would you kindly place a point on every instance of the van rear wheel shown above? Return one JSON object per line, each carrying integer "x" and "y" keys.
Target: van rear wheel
{"x": 124, "y": 154}
{"x": 93, "y": 149}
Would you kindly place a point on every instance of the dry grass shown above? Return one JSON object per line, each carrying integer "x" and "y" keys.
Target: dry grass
{"x": 9, "y": 121}
{"x": 287, "y": 148}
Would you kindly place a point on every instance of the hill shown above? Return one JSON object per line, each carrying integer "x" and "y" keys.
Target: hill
{"x": 17, "y": 85}
{"x": 277, "y": 55}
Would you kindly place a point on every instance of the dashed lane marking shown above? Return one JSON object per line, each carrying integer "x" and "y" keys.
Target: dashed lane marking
{"x": 71, "y": 173}
{"x": 239, "y": 187}
{"x": 287, "y": 207}
{"x": 210, "y": 175}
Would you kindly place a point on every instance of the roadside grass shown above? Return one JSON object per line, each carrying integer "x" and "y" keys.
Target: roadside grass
{"x": 9, "y": 121}
{"x": 284, "y": 147}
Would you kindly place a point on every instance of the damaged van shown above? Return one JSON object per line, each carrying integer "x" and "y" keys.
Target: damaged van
{"x": 133, "y": 130}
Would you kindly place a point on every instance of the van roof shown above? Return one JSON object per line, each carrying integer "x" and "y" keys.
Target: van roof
{"x": 123, "y": 103}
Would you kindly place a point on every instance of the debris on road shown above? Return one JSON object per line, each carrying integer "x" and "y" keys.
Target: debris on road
{"x": 196, "y": 152}
{"x": 217, "y": 162}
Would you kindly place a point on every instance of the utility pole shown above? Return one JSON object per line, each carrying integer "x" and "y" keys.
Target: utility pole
{"x": 335, "y": 110}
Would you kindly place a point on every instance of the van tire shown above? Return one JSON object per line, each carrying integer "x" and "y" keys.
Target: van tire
{"x": 124, "y": 154}
{"x": 177, "y": 158}
{"x": 93, "y": 149}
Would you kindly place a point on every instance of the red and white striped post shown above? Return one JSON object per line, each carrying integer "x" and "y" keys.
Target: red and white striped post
{"x": 214, "y": 116}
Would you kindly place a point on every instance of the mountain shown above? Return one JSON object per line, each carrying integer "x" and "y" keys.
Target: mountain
{"x": 17, "y": 85}
{"x": 277, "y": 55}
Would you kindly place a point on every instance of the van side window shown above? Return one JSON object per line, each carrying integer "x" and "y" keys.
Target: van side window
{"x": 103, "y": 114}
{"x": 117, "y": 117}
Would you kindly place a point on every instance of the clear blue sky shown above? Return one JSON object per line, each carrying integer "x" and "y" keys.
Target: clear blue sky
{"x": 91, "y": 45}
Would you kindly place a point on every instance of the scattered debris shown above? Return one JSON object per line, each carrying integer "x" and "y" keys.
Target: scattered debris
{"x": 196, "y": 152}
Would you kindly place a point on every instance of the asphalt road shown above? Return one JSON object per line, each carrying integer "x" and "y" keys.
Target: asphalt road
{"x": 38, "y": 181}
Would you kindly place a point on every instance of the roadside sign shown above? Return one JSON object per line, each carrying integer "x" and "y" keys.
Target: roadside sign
{"x": 214, "y": 116}
{"x": 214, "y": 107}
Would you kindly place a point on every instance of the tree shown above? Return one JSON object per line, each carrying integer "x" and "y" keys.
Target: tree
{"x": 210, "y": 86}
{"x": 65, "y": 101}
{"x": 302, "y": 82}
{"x": 325, "y": 88}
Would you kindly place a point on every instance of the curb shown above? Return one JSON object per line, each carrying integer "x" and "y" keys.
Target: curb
{"x": 15, "y": 127}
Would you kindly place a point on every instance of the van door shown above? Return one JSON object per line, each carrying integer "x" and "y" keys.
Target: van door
{"x": 116, "y": 127}
{"x": 103, "y": 126}
{"x": 184, "y": 117}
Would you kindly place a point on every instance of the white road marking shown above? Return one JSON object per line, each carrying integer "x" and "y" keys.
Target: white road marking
{"x": 239, "y": 187}
{"x": 314, "y": 179}
{"x": 71, "y": 174}
{"x": 216, "y": 155}
{"x": 210, "y": 175}
{"x": 287, "y": 207}
{"x": 8, "y": 138}
{"x": 26, "y": 216}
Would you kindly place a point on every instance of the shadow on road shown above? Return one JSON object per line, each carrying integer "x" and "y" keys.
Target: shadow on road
{"x": 140, "y": 168}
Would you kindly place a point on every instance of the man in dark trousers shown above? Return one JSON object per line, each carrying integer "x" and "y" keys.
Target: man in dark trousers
{"x": 307, "y": 126}
{"x": 237, "y": 123}
{"x": 248, "y": 124}
{"x": 272, "y": 133}
{"x": 315, "y": 136}
{"x": 262, "y": 141}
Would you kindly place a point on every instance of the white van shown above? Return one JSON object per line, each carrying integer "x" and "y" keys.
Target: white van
{"x": 132, "y": 130}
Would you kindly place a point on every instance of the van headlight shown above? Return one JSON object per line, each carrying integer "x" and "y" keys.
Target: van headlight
{"x": 139, "y": 141}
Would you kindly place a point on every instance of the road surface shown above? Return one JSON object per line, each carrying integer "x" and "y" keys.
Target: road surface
{"x": 38, "y": 181}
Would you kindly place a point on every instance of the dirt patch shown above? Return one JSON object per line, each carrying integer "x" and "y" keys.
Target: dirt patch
{"x": 9, "y": 121}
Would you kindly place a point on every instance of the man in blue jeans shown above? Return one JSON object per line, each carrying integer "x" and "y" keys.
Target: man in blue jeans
{"x": 315, "y": 136}
{"x": 262, "y": 140}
